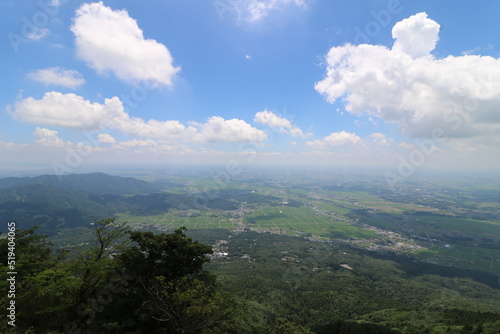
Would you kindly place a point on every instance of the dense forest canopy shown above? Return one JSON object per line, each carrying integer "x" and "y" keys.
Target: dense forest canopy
{"x": 144, "y": 282}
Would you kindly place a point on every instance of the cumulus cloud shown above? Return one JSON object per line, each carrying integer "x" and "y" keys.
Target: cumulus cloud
{"x": 407, "y": 146}
{"x": 336, "y": 139}
{"x": 73, "y": 111}
{"x": 284, "y": 125}
{"x": 416, "y": 36}
{"x": 58, "y": 76}
{"x": 46, "y": 137}
{"x": 138, "y": 143}
{"x": 380, "y": 139}
{"x": 67, "y": 110}
{"x": 111, "y": 41}
{"x": 106, "y": 138}
{"x": 217, "y": 129}
{"x": 408, "y": 86}
{"x": 151, "y": 128}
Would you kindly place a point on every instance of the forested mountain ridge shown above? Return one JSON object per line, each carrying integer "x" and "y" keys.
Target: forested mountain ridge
{"x": 54, "y": 202}
{"x": 97, "y": 183}
{"x": 35, "y": 204}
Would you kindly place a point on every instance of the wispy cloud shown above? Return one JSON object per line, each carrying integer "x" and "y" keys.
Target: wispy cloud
{"x": 258, "y": 9}
{"x": 282, "y": 124}
{"x": 37, "y": 34}
{"x": 342, "y": 138}
{"x": 58, "y": 76}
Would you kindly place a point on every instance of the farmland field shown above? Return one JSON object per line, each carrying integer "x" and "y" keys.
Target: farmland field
{"x": 441, "y": 228}
{"x": 303, "y": 220}
{"x": 174, "y": 220}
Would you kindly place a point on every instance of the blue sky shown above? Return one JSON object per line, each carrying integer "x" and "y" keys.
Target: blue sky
{"x": 393, "y": 84}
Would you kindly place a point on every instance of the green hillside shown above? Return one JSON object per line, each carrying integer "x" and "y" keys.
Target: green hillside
{"x": 97, "y": 183}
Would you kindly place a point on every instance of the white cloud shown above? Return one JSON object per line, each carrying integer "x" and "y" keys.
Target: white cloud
{"x": 138, "y": 143}
{"x": 255, "y": 10}
{"x": 258, "y": 9}
{"x": 416, "y": 35}
{"x": 111, "y": 41}
{"x": 407, "y": 146}
{"x": 284, "y": 125}
{"x": 58, "y": 76}
{"x": 73, "y": 111}
{"x": 470, "y": 52}
{"x": 67, "y": 110}
{"x": 106, "y": 138}
{"x": 380, "y": 139}
{"x": 217, "y": 129}
{"x": 152, "y": 128}
{"x": 336, "y": 139}
{"x": 37, "y": 34}
{"x": 10, "y": 145}
{"x": 408, "y": 86}
{"x": 83, "y": 149}
{"x": 46, "y": 137}
{"x": 478, "y": 144}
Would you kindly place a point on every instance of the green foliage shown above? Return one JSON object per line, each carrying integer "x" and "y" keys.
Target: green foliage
{"x": 98, "y": 183}
{"x": 169, "y": 255}
{"x": 347, "y": 327}
{"x": 167, "y": 289}
{"x": 33, "y": 251}
{"x": 48, "y": 298}
{"x": 142, "y": 282}
{"x": 283, "y": 326}
{"x": 33, "y": 257}
{"x": 57, "y": 290}
{"x": 305, "y": 283}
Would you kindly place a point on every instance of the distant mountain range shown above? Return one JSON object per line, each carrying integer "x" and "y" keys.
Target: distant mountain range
{"x": 97, "y": 183}
{"x": 53, "y": 202}
{"x": 57, "y": 202}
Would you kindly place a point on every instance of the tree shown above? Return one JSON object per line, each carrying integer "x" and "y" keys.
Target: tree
{"x": 33, "y": 256}
{"x": 171, "y": 255}
{"x": 61, "y": 290}
{"x": 284, "y": 326}
{"x": 33, "y": 252}
{"x": 169, "y": 291}
{"x": 96, "y": 269}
